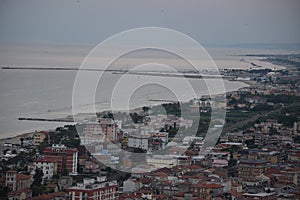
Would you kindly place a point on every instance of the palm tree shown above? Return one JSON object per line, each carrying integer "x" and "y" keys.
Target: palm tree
{"x": 22, "y": 141}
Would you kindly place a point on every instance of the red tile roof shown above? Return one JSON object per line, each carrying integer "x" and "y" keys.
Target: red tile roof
{"x": 23, "y": 176}
{"x": 50, "y": 196}
{"x": 18, "y": 192}
{"x": 129, "y": 196}
{"x": 146, "y": 180}
{"x": 207, "y": 185}
{"x": 46, "y": 159}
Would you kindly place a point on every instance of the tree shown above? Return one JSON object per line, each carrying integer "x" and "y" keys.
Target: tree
{"x": 146, "y": 109}
{"x": 38, "y": 177}
{"x": 72, "y": 143}
{"x": 251, "y": 144}
{"x": 37, "y": 187}
{"x": 4, "y": 192}
{"x": 22, "y": 141}
{"x": 232, "y": 162}
{"x": 136, "y": 118}
{"x": 110, "y": 115}
{"x": 14, "y": 151}
{"x": 4, "y": 151}
{"x": 297, "y": 139}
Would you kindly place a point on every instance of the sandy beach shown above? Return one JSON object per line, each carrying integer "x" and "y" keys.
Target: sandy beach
{"x": 13, "y": 140}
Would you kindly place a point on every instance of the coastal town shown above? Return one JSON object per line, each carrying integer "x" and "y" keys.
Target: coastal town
{"x": 146, "y": 154}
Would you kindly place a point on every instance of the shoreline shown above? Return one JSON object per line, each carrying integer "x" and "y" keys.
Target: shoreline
{"x": 26, "y": 133}
{"x": 14, "y": 139}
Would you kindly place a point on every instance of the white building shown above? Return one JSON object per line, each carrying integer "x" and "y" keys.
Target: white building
{"x": 161, "y": 161}
{"x": 131, "y": 185}
{"x": 47, "y": 165}
{"x": 140, "y": 142}
{"x": 189, "y": 139}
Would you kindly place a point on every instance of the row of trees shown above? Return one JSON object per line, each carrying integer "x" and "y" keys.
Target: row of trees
{"x": 62, "y": 135}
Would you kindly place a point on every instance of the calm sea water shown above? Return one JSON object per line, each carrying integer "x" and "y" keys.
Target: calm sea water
{"x": 29, "y": 93}
{"x": 48, "y": 94}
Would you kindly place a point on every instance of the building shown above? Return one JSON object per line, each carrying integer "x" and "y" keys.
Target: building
{"x": 93, "y": 133}
{"x": 249, "y": 170}
{"x": 48, "y": 165}
{"x": 17, "y": 181}
{"x": 109, "y": 127}
{"x": 11, "y": 179}
{"x": 131, "y": 185}
{"x": 39, "y": 137}
{"x": 140, "y": 142}
{"x": 260, "y": 196}
{"x": 66, "y": 158}
{"x": 96, "y": 132}
{"x": 65, "y": 182}
{"x": 22, "y": 194}
{"x": 157, "y": 141}
{"x": 91, "y": 167}
{"x": 91, "y": 189}
{"x": 161, "y": 161}
{"x": 206, "y": 190}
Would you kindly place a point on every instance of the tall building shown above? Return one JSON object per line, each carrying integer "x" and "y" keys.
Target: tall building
{"x": 66, "y": 158}
{"x": 109, "y": 128}
{"x": 95, "y": 132}
{"x": 249, "y": 170}
{"x": 94, "y": 190}
{"x": 11, "y": 179}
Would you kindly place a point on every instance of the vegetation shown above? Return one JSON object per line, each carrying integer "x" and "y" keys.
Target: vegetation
{"x": 251, "y": 144}
{"x": 136, "y": 118}
{"x": 285, "y": 99}
{"x": 172, "y": 109}
{"x": 4, "y": 192}
{"x": 36, "y": 186}
{"x": 67, "y": 136}
{"x": 297, "y": 139}
{"x": 108, "y": 115}
{"x": 20, "y": 161}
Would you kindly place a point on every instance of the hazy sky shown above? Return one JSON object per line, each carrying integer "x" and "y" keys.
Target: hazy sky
{"x": 91, "y": 21}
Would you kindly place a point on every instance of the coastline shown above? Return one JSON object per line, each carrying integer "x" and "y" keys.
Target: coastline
{"x": 10, "y": 135}
{"x": 29, "y": 133}
{"x": 13, "y": 140}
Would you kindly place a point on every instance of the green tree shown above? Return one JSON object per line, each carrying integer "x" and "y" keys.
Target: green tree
{"x": 38, "y": 177}
{"x": 146, "y": 109}
{"x": 22, "y": 141}
{"x": 232, "y": 162}
{"x": 4, "y": 192}
{"x": 72, "y": 143}
{"x": 136, "y": 118}
{"x": 297, "y": 139}
{"x": 36, "y": 186}
{"x": 14, "y": 151}
{"x": 110, "y": 115}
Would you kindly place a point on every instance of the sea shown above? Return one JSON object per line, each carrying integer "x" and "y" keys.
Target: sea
{"x": 48, "y": 93}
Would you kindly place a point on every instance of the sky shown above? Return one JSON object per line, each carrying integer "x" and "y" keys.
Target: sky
{"x": 89, "y": 22}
